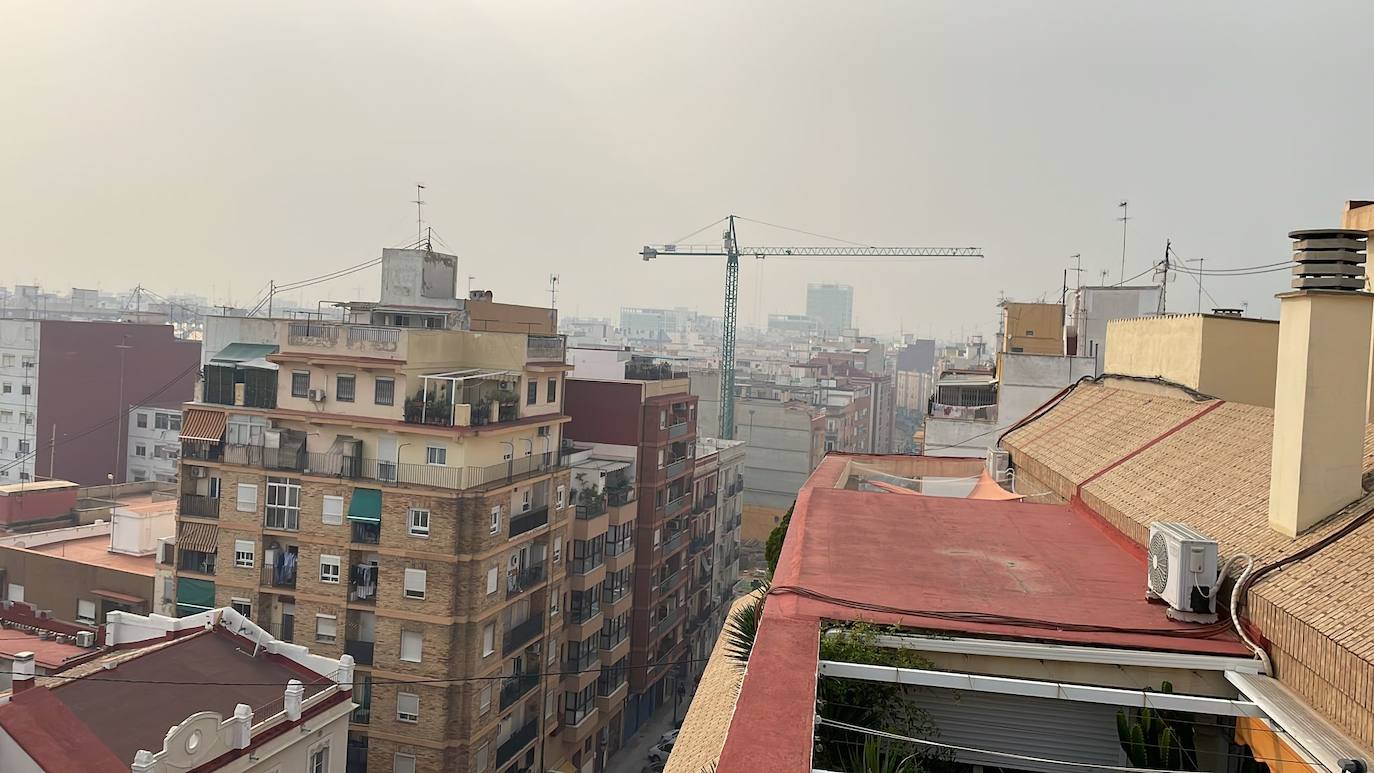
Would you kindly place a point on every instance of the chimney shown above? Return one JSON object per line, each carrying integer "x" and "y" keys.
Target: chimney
{"x": 1321, "y": 390}
{"x": 22, "y": 671}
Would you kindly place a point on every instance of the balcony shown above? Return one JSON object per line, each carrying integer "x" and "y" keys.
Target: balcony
{"x": 590, "y": 510}
{"x": 279, "y": 576}
{"x": 678, "y": 430}
{"x": 387, "y": 472}
{"x": 517, "y": 742}
{"x": 361, "y": 651}
{"x": 195, "y": 561}
{"x": 620, "y": 497}
{"x": 521, "y": 634}
{"x": 668, "y": 621}
{"x": 516, "y": 687}
{"x": 202, "y": 451}
{"x": 198, "y": 506}
{"x": 674, "y": 469}
{"x": 524, "y": 580}
{"x": 965, "y": 412}
{"x": 544, "y": 348}
{"x": 527, "y": 522}
{"x": 672, "y": 579}
{"x": 366, "y": 533}
{"x": 677, "y": 506}
{"x": 699, "y": 544}
{"x": 674, "y": 541}
{"x": 644, "y": 369}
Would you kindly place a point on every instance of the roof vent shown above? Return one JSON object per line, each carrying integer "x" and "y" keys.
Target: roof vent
{"x": 1329, "y": 259}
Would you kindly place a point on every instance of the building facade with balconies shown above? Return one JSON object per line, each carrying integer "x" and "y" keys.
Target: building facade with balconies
{"x": 644, "y": 413}
{"x": 398, "y": 493}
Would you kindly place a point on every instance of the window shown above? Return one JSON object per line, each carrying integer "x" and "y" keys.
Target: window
{"x": 174, "y": 421}
{"x": 85, "y": 612}
{"x": 345, "y": 386}
{"x": 319, "y": 760}
{"x": 6, "y": 417}
{"x": 26, "y": 361}
{"x": 557, "y": 549}
{"x": 245, "y": 551}
{"x": 553, "y": 390}
{"x": 26, "y": 389}
{"x": 138, "y": 475}
{"x": 542, "y": 431}
{"x": 658, "y": 535}
{"x": 436, "y": 455}
{"x": 407, "y": 707}
{"x": 8, "y": 361}
{"x": 403, "y": 763}
{"x": 415, "y": 583}
{"x": 332, "y": 510}
{"x": 419, "y": 522}
{"x": 28, "y": 418}
{"x": 531, "y": 391}
{"x": 484, "y": 699}
{"x": 329, "y": 569}
{"x": 16, "y": 592}
{"x": 384, "y": 391}
{"x": 247, "y": 500}
{"x": 562, "y": 493}
{"x": 496, "y": 519}
{"x": 525, "y": 499}
{"x": 142, "y": 417}
{"x": 550, "y": 704}
{"x": 242, "y": 606}
{"x": 491, "y": 580}
{"x": 300, "y": 383}
{"x": 326, "y": 628}
{"x": 24, "y": 444}
{"x": 663, "y": 419}
{"x": 660, "y": 458}
{"x": 283, "y": 503}
{"x": 160, "y": 421}
{"x": 411, "y": 644}
{"x": 214, "y": 488}
{"x": 140, "y": 450}
{"x": 488, "y": 639}
{"x": 553, "y": 605}
{"x": 481, "y": 757}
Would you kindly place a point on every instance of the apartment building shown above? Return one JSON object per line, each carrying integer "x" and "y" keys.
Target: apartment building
{"x": 59, "y": 378}
{"x": 154, "y": 443}
{"x": 832, "y": 306}
{"x": 647, "y": 413}
{"x": 394, "y": 487}
{"x": 717, "y": 513}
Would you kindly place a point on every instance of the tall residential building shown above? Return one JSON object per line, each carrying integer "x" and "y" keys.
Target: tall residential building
{"x": 65, "y": 388}
{"x": 832, "y": 306}
{"x": 154, "y": 443}
{"x": 647, "y": 414}
{"x": 394, "y": 487}
{"x": 719, "y": 505}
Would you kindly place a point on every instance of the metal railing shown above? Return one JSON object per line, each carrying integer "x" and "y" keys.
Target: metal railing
{"x": 518, "y": 740}
{"x": 670, "y": 580}
{"x": 678, "y": 430}
{"x": 699, "y": 544}
{"x": 198, "y": 506}
{"x": 677, "y": 506}
{"x": 620, "y": 498}
{"x": 521, "y": 634}
{"x": 670, "y": 620}
{"x": 674, "y": 469}
{"x": 526, "y": 522}
{"x": 516, "y": 687}
{"x": 202, "y": 450}
{"x": 390, "y": 472}
{"x": 524, "y": 580}
{"x": 674, "y": 541}
{"x": 543, "y": 348}
{"x": 589, "y": 511}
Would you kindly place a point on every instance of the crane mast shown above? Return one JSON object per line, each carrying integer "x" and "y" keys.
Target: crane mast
{"x": 731, "y": 251}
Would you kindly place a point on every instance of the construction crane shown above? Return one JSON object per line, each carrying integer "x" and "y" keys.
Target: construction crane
{"x": 731, "y": 251}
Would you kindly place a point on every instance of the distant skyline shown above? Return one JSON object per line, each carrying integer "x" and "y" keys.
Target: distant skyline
{"x": 265, "y": 141}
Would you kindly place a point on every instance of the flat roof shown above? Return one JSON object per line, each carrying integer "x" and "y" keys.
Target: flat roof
{"x": 96, "y": 552}
{"x": 127, "y": 713}
{"x": 1000, "y": 569}
{"x": 49, "y": 653}
{"x": 36, "y": 485}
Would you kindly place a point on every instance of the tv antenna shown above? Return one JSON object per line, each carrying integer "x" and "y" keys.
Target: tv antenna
{"x": 553, "y": 291}
{"x": 419, "y": 213}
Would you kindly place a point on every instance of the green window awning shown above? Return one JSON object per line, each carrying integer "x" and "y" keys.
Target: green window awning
{"x": 194, "y": 596}
{"x": 366, "y": 505}
{"x": 244, "y": 352}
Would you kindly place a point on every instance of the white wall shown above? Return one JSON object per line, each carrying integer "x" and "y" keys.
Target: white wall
{"x": 13, "y": 759}
{"x": 606, "y": 364}
{"x": 150, "y": 465}
{"x": 1096, "y": 306}
{"x": 18, "y": 340}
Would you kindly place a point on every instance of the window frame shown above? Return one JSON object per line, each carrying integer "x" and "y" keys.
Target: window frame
{"x": 415, "y": 581}
{"x": 488, "y": 640}
{"x": 251, "y": 552}
{"x": 419, "y": 638}
{"x": 289, "y": 511}
{"x": 331, "y": 620}
{"x": 340, "y": 394}
{"x": 331, "y": 562}
{"x": 297, "y": 389}
{"x": 239, "y": 498}
{"x": 436, "y": 456}
{"x": 331, "y": 518}
{"x": 86, "y": 619}
{"x": 495, "y": 520}
{"x": 377, "y": 383}
{"x": 142, "y": 417}
{"x": 398, "y": 759}
{"x": 551, "y": 392}
{"x": 408, "y": 717}
{"x": 416, "y": 529}
{"x": 531, "y": 391}
{"x": 238, "y": 601}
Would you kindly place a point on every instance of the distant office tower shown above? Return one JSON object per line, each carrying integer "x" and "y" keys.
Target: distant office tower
{"x": 832, "y": 306}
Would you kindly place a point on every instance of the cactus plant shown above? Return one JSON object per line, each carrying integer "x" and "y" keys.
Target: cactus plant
{"x": 1150, "y": 739}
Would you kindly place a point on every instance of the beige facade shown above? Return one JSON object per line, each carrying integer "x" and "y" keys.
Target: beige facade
{"x": 1033, "y": 328}
{"x": 424, "y": 526}
{"x": 1233, "y": 358}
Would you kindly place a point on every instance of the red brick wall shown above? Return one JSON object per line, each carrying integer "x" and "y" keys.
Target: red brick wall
{"x": 602, "y": 411}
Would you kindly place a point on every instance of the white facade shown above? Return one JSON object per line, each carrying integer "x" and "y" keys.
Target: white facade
{"x": 1094, "y": 307}
{"x": 598, "y": 363}
{"x": 154, "y": 443}
{"x": 1024, "y": 382}
{"x": 18, "y": 398}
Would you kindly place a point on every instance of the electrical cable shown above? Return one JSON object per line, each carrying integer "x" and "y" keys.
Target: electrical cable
{"x": 682, "y": 239}
{"x": 800, "y": 231}
{"x": 822, "y": 721}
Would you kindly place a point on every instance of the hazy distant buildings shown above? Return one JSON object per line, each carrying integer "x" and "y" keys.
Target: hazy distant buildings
{"x": 639, "y": 324}
{"x": 831, "y": 305}
{"x": 792, "y": 325}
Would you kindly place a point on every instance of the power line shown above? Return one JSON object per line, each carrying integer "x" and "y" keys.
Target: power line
{"x": 800, "y": 231}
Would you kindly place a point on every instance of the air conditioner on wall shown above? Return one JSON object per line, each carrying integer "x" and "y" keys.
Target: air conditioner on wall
{"x": 316, "y": 395}
{"x": 198, "y": 472}
{"x": 1182, "y": 571}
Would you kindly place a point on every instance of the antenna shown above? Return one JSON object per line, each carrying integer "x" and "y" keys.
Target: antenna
{"x": 1125, "y": 216}
{"x": 553, "y": 291}
{"x": 419, "y": 213}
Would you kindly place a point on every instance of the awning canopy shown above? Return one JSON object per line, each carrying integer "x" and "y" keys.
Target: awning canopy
{"x": 203, "y": 537}
{"x": 201, "y": 424}
{"x": 366, "y": 505}
{"x": 987, "y": 488}
{"x": 237, "y": 352}
{"x": 194, "y": 595}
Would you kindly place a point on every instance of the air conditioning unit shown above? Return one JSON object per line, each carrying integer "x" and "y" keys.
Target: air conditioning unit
{"x": 316, "y": 395}
{"x": 198, "y": 472}
{"x": 85, "y": 638}
{"x": 1182, "y": 571}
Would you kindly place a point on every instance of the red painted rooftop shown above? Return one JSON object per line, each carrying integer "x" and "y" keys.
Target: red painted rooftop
{"x": 933, "y": 554}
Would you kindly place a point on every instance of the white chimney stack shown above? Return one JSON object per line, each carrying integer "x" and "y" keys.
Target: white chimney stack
{"x": 1321, "y": 390}
{"x": 23, "y": 672}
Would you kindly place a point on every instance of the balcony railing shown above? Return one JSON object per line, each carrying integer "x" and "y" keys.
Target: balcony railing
{"x": 677, "y": 506}
{"x": 521, "y": 634}
{"x": 202, "y": 450}
{"x": 974, "y": 412}
{"x": 524, "y": 579}
{"x": 674, "y": 541}
{"x": 198, "y": 506}
{"x": 678, "y": 430}
{"x": 674, "y": 469}
{"x": 586, "y": 512}
{"x": 699, "y": 544}
{"x": 611, "y": 594}
{"x": 620, "y": 498}
{"x": 530, "y": 521}
{"x": 516, "y": 687}
{"x": 366, "y": 533}
{"x": 518, "y": 740}
{"x": 669, "y": 620}
{"x": 543, "y": 348}
{"x": 361, "y": 651}
{"x": 672, "y": 579}
{"x": 390, "y": 472}
{"x": 279, "y": 577}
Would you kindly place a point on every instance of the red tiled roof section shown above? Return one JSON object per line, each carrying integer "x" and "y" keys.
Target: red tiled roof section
{"x": 54, "y": 737}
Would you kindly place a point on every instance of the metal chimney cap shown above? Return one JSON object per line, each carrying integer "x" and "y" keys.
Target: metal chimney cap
{"x": 1316, "y": 233}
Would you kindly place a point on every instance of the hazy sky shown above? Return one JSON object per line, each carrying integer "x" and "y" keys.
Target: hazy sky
{"x": 210, "y": 147}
